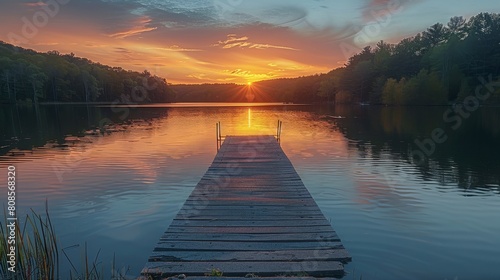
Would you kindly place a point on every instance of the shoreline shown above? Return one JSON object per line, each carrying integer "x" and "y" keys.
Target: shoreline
{"x": 225, "y": 104}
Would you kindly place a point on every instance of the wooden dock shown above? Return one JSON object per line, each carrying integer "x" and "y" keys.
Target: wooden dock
{"x": 250, "y": 215}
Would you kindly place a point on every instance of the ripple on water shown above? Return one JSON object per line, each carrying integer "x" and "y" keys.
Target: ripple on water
{"x": 119, "y": 192}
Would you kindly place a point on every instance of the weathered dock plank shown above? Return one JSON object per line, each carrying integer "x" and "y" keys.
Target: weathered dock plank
{"x": 282, "y": 255}
{"x": 311, "y": 236}
{"x": 249, "y": 223}
{"x": 242, "y": 245}
{"x": 265, "y": 217}
{"x": 231, "y": 268}
{"x": 238, "y": 230}
{"x": 250, "y": 213}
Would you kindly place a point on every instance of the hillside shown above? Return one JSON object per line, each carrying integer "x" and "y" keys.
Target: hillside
{"x": 27, "y": 75}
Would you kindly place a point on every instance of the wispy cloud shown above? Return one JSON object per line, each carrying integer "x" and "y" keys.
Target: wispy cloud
{"x": 136, "y": 27}
{"x": 175, "y": 48}
{"x": 35, "y": 4}
{"x": 46, "y": 44}
{"x": 132, "y": 32}
{"x": 233, "y": 41}
{"x": 249, "y": 75}
{"x": 377, "y": 8}
{"x": 200, "y": 76}
{"x": 268, "y": 46}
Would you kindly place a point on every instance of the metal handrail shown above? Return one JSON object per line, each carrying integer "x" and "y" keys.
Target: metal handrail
{"x": 218, "y": 135}
{"x": 278, "y": 131}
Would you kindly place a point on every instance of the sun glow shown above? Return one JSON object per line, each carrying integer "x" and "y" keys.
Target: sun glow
{"x": 253, "y": 92}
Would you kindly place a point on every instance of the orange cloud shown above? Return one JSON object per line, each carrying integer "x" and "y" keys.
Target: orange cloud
{"x": 242, "y": 42}
{"x": 35, "y": 4}
{"x": 132, "y": 32}
{"x": 232, "y": 38}
{"x": 175, "y": 48}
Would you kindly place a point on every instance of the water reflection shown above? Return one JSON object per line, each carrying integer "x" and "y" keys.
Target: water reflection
{"x": 25, "y": 127}
{"x": 393, "y": 215}
{"x": 469, "y": 157}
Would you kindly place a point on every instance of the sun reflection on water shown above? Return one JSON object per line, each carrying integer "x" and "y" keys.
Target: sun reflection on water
{"x": 249, "y": 117}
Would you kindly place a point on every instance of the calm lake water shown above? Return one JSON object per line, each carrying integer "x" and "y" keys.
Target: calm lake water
{"x": 400, "y": 217}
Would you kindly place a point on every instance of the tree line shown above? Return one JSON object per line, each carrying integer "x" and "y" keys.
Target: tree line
{"x": 441, "y": 65}
{"x": 294, "y": 90}
{"x": 30, "y": 76}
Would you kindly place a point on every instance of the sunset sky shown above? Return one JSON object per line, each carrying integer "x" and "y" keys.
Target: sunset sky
{"x": 222, "y": 41}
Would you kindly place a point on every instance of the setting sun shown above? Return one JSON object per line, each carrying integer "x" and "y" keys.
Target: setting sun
{"x": 231, "y": 138}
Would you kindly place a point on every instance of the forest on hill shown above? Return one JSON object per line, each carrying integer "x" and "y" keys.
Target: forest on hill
{"x": 442, "y": 65}
{"x": 30, "y": 76}
{"x": 294, "y": 90}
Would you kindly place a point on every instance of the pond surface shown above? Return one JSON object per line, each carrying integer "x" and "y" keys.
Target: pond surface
{"x": 403, "y": 212}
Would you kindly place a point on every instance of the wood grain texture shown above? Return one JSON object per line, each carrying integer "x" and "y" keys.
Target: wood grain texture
{"x": 264, "y": 268}
{"x": 269, "y": 255}
{"x": 250, "y": 213}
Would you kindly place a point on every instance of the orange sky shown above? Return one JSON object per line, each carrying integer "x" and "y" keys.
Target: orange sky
{"x": 201, "y": 41}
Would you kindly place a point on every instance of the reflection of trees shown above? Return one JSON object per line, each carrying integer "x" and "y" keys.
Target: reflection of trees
{"x": 469, "y": 157}
{"x": 28, "y": 127}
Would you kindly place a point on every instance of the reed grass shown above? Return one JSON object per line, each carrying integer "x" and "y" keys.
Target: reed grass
{"x": 38, "y": 253}
{"x": 37, "y": 248}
